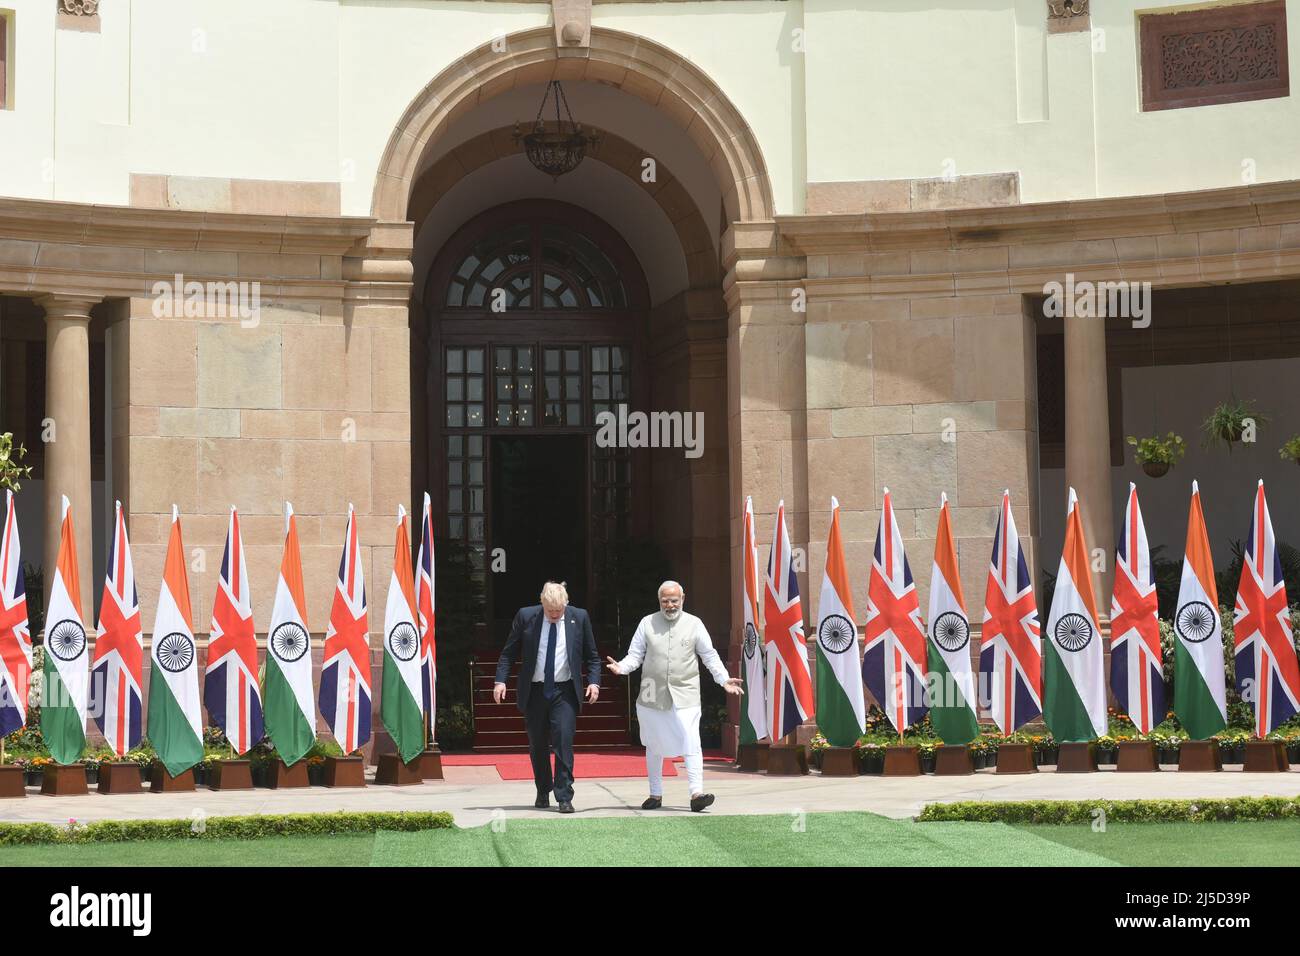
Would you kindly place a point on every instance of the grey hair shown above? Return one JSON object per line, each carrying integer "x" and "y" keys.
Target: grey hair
{"x": 671, "y": 584}
{"x": 554, "y": 594}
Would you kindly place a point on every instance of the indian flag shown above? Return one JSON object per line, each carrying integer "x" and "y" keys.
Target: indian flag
{"x": 290, "y": 707}
{"x": 1200, "y": 700}
{"x": 841, "y": 707}
{"x": 753, "y": 705}
{"x": 66, "y": 671}
{"x": 175, "y": 719}
{"x": 1074, "y": 683}
{"x": 952, "y": 683}
{"x": 400, "y": 707}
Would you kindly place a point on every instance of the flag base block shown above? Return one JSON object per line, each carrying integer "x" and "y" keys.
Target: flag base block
{"x": 345, "y": 772}
{"x": 1199, "y": 756}
{"x": 120, "y": 777}
{"x": 392, "y": 772}
{"x": 64, "y": 780}
{"x": 12, "y": 782}
{"x": 1076, "y": 758}
{"x": 1265, "y": 756}
{"x": 160, "y": 781}
{"x": 430, "y": 764}
{"x": 839, "y": 762}
{"x": 786, "y": 760}
{"x": 1136, "y": 756}
{"x": 902, "y": 761}
{"x": 1016, "y": 758}
{"x": 283, "y": 776}
{"x": 231, "y": 775}
{"x": 953, "y": 760}
{"x": 752, "y": 758}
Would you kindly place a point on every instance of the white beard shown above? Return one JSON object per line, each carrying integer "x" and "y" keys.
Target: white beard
{"x": 673, "y": 615}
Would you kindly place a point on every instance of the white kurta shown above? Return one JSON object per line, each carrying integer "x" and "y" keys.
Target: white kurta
{"x": 674, "y": 732}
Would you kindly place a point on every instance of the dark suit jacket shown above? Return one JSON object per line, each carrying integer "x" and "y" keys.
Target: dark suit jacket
{"x": 526, "y": 639}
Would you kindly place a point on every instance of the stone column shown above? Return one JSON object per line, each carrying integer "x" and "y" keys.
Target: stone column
{"x": 67, "y": 457}
{"x": 1087, "y": 443}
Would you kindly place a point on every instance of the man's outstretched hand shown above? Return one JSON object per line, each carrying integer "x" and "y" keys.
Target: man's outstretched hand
{"x": 733, "y": 686}
{"x": 593, "y": 693}
{"x": 612, "y": 666}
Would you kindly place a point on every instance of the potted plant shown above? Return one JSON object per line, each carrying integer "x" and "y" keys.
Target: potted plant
{"x": 1157, "y": 455}
{"x": 1107, "y": 749}
{"x": 36, "y": 770}
{"x": 819, "y": 745}
{"x": 925, "y": 750}
{"x": 872, "y": 756}
{"x": 1228, "y": 421}
{"x": 1291, "y": 450}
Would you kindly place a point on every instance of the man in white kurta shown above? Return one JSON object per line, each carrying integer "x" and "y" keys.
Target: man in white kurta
{"x": 667, "y": 646}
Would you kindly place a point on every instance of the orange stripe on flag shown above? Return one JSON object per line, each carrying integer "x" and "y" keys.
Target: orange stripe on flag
{"x": 1198, "y": 550}
{"x": 402, "y": 567}
{"x": 945, "y": 555}
{"x": 835, "y": 569}
{"x": 178, "y": 582}
{"x": 1076, "y": 560}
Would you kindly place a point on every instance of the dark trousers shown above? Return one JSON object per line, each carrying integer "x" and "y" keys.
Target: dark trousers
{"x": 551, "y": 724}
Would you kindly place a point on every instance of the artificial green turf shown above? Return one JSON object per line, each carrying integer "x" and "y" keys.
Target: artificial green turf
{"x": 343, "y": 849}
{"x": 817, "y": 839}
{"x": 1254, "y": 843}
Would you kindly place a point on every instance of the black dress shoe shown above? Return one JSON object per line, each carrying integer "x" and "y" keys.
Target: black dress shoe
{"x": 566, "y": 806}
{"x": 543, "y": 801}
{"x": 700, "y": 802}
{"x": 653, "y": 803}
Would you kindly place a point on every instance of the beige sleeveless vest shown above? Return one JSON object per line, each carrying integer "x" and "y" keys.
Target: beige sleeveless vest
{"x": 670, "y": 673}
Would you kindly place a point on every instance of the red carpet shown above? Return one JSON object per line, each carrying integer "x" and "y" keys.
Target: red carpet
{"x": 586, "y": 764}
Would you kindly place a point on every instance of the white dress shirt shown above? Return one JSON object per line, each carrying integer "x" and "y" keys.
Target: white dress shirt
{"x": 561, "y": 653}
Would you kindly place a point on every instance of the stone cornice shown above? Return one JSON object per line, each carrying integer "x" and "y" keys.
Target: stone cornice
{"x": 1079, "y": 220}
{"x": 124, "y": 226}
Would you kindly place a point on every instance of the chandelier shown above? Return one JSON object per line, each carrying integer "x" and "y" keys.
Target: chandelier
{"x": 556, "y": 148}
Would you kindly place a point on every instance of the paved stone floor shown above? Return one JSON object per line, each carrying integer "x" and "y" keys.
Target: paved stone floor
{"x": 475, "y": 795}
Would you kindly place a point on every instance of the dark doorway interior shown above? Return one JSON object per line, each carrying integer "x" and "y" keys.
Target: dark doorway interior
{"x": 539, "y": 516}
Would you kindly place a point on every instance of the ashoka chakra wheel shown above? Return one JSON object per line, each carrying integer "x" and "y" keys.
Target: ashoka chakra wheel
{"x": 289, "y": 641}
{"x": 66, "y": 640}
{"x": 950, "y": 631}
{"x": 1073, "y": 632}
{"x": 1195, "y": 621}
{"x": 176, "y": 652}
{"x": 404, "y": 641}
{"x": 837, "y": 634}
{"x": 751, "y": 640}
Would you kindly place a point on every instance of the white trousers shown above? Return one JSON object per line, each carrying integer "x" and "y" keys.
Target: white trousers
{"x": 671, "y": 733}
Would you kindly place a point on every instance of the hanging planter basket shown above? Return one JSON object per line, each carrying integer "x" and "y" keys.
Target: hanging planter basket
{"x": 1157, "y": 455}
{"x": 1156, "y": 469}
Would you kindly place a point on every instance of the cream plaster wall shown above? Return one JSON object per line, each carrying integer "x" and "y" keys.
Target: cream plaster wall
{"x": 310, "y": 90}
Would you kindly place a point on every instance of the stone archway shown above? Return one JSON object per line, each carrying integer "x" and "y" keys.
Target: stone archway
{"x": 633, "y": 64}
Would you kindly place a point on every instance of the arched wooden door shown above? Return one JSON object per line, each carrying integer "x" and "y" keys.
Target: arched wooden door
{"x": 537, "y": 318}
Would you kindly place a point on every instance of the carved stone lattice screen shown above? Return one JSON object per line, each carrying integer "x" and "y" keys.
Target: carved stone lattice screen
{"x": 1220, "y": 55}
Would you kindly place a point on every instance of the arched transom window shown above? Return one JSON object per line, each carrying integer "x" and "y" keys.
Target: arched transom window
{"x": 536, "y": 266}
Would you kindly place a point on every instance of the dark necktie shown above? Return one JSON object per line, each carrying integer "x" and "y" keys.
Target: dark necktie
{"x": 548, "y": 675}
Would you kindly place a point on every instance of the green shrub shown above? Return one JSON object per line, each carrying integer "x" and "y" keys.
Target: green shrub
{"x": 1116, "y": 811}
{"x": 224, "y": 828}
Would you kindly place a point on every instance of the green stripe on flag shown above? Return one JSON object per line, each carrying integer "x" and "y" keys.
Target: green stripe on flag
{"x": 61, "y": 726}
{"x": 1194, "y": 705}
{"x": 169, "y": 730}
{"x": 950, "y": 713}
{"x": 286, "y": 724}
{"x": 1063, "y": 710}
{"x": 748, "y": 735}
{"x": 402, "y": 716}
{"x": 835, "y": 717}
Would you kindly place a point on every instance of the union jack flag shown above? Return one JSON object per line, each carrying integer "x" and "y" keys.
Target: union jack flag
{"x": 1267, "y": 671}
{"x": 789, "y": 683}
{"x": 424, "y": 605}
{"x": 1011, "y": 657}
{"x": 894, "y": 656}
{"x": 345, "y": 673}
{"x": 230, "y": 689}
{"x": 1136, "y": 674}
{"x": 116, "y": 675}
{"x": 15, "y": 638}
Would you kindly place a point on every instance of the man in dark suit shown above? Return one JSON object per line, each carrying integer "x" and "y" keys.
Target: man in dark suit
{"x": 555, "y": 643}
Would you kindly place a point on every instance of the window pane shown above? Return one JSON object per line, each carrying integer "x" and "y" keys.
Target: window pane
{"x": 476, "y": 472}
{"x": 524, "y": 387}
{"x": 572, "y": 360}
{"x": 476, "y": 500}
{"x": 575, "y": 413}
{"x": 456, "y": 527}
{"x": 524, "y": 359}
{"x": 552, "y": 386}
{"x": 505, "y": 390}
{"x": 600, "y": 387}
{"x": 476, "y": 527}
{"x": 455, "y": 446}
{"x": 455, "y": 389}
{"x": 454, "y": 472}
{"x": 455, "y": 416}
{"x": 455, "y": 360}
{"x": 474, "y": 416}
{"x": 552, "y": 360}
{"x": 455, "y": 500}
{"x": 572, "y": 386}
{"x": 616, "y": 387}
{"x": 618, "y": 358}
{"x": 475, "y": 444}
{"x": 504, "y": 415}
{"x": 474, "y": 360}
{"x": 474, "y": 388}
{"x": 553, "y": 414}
{"x": 503, "y": 360}
{"x": 600, "y": 359}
